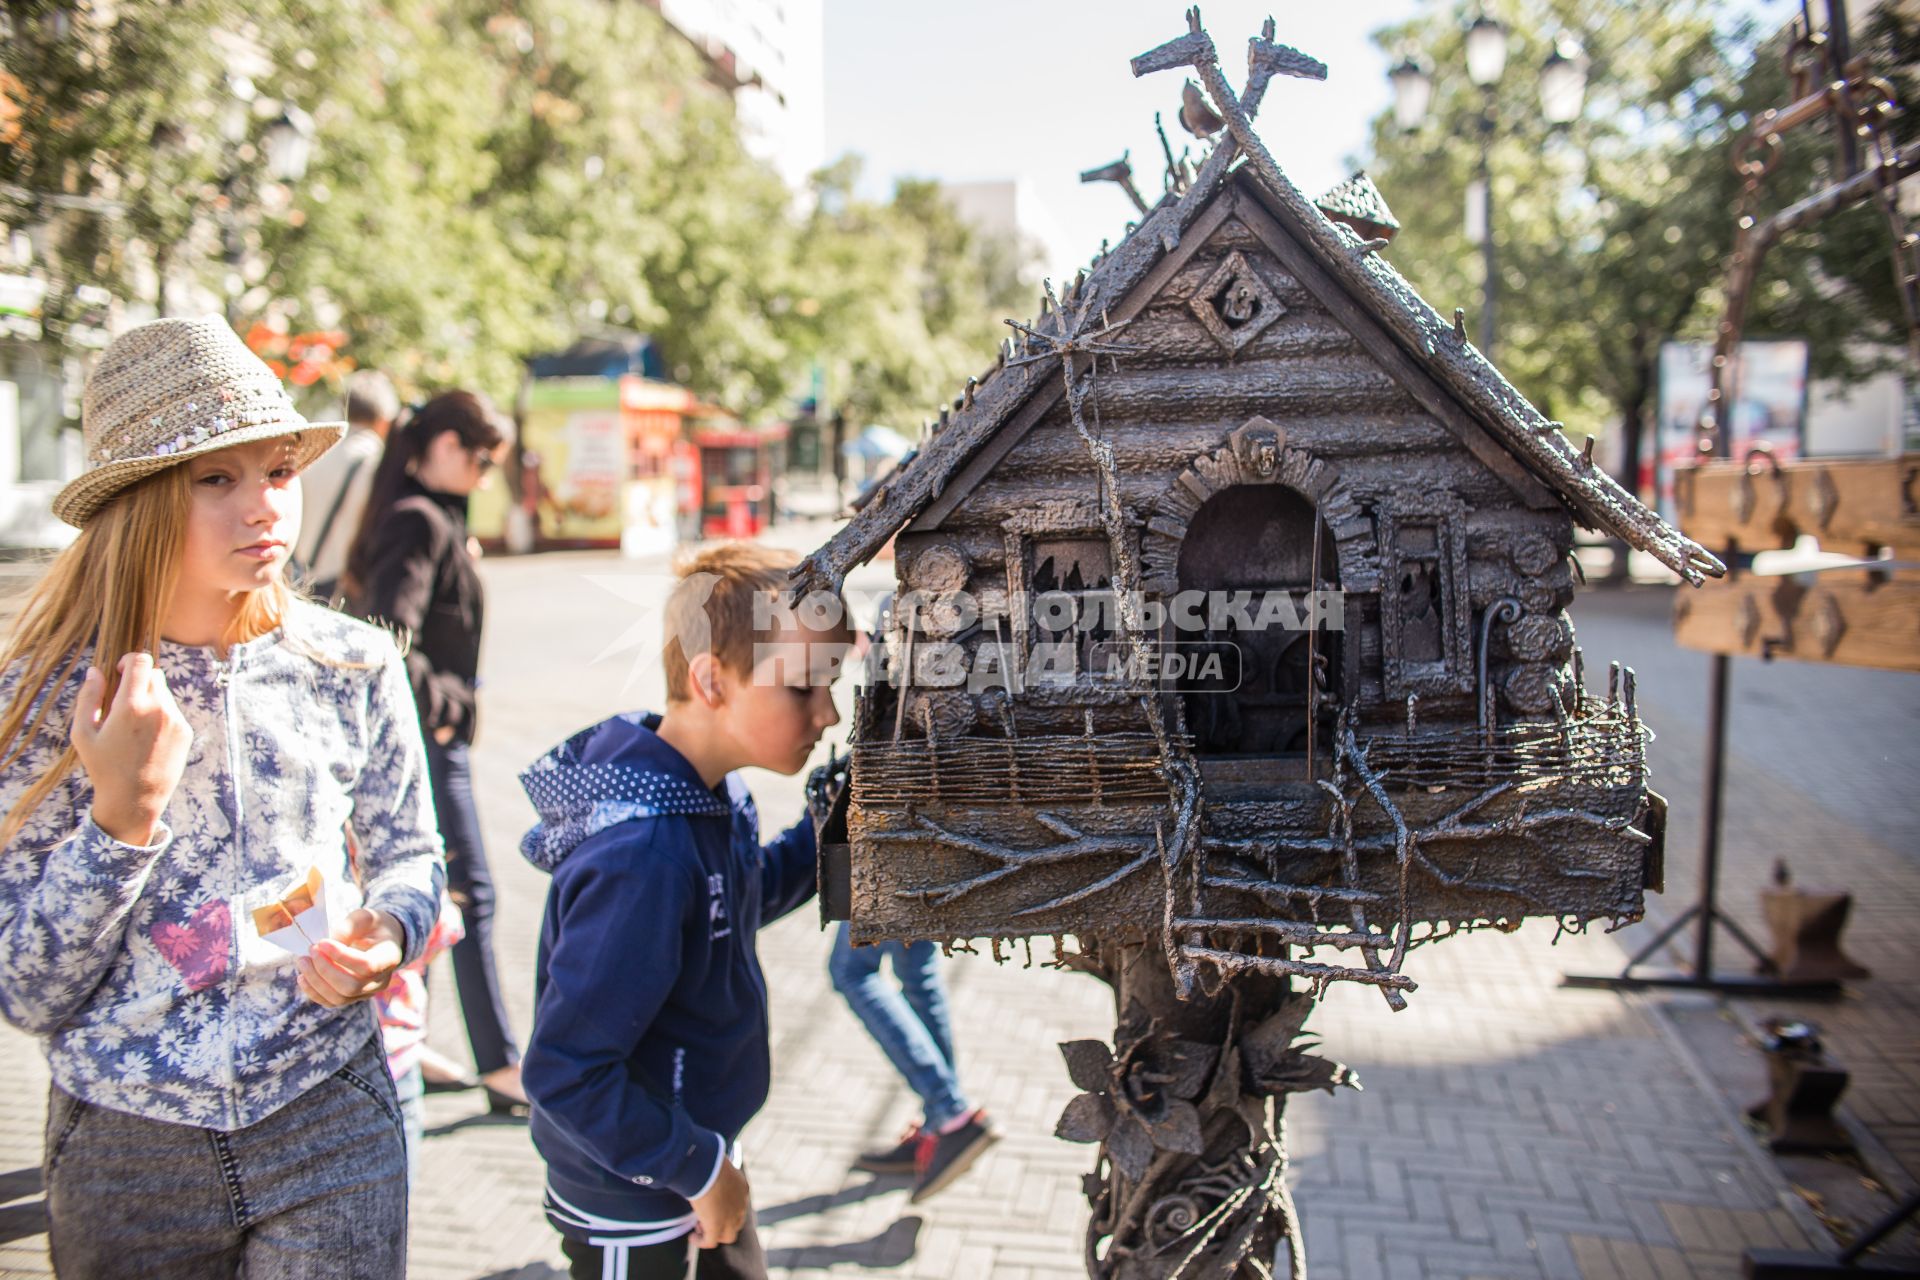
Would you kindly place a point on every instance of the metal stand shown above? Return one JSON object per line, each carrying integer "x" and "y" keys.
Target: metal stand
{"x": 1705, "y": 912}
{"x": 1785, "y": 1264}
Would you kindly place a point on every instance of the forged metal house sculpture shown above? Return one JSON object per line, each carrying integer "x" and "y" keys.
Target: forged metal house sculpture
{"x": 1241, "y": 401}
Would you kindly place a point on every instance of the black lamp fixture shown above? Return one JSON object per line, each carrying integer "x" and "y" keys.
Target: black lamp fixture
{"x": 287, "y": 144}
{"x": 1563, "y": 87}
{"x": 1412, "y": 92}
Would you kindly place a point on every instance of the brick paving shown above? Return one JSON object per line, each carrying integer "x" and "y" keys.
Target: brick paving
{"x": 1820, "y": 774}
{"x": 1508, "y": 1127}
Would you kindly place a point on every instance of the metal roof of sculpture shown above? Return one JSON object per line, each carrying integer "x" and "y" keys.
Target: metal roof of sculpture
{"x": 1357, "y": 200}
{"x": 1492, "y": 418}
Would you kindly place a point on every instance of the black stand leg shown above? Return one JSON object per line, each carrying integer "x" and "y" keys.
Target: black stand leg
{"x": 1705, "y": 912}
{"x": 1784, "y": 1264}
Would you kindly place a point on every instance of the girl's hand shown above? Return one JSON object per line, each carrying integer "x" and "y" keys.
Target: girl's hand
{"x": 135, "y": 752}
{"x": 357, "y": 962}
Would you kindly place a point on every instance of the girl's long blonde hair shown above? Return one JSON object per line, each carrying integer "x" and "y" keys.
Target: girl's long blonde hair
{"x": 103, "y": 597}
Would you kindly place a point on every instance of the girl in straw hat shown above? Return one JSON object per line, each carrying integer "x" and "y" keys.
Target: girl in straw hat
{"x": 184, "y": 746}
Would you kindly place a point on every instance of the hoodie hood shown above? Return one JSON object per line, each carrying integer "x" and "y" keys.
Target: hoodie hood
{"x": 611, "y": 773}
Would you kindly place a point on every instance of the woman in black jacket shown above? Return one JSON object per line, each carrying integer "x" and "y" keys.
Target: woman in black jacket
{"x": 409, "y": 566}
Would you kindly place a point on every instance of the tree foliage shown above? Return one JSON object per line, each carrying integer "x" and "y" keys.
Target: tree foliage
{"x": 1613, "y": 233}
{"x": 910, "y": 298}
{"x": 487, "y": 182}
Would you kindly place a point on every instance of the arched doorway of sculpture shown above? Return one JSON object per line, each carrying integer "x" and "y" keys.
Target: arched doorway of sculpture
{"x": 1249, "y": 549}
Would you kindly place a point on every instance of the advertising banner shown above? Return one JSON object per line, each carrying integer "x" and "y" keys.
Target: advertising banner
{"x": 1769, "y": 390}
{"x": 574, "y": 427}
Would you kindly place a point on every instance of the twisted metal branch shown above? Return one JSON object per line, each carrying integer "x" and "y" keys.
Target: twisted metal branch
{"x": 1077, "y": 845}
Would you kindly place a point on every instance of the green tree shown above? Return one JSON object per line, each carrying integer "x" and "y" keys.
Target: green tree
{"x": 487, "y": 183}
{"x": 396, "y": 234}
{"x": 905, "y": 300}
{"x": 1836, "y": 278}
{"x": 1614, "y": 232}
{"x": 107, "y": 159}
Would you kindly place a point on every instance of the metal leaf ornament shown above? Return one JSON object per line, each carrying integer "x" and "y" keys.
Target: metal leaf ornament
{"x": 1089, "y": 1063}
{"x": 1275, "y": 1057}
{"x": 1305, "y": 1072}
{"x": 1141, "y": 1101}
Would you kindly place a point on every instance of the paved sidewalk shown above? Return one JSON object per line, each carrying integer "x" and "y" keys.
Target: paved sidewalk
{"x": 1508, "y": 1128}
{"x": 1820, "y": 774}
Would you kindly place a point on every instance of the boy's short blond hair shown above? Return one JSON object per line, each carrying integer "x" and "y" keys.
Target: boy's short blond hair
{"x": 715, "y": 599}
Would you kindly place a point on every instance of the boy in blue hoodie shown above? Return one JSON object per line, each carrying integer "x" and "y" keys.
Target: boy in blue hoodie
{"x": 649, "y": 1050}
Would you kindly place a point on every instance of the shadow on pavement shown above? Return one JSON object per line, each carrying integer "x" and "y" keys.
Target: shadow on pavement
{"x": 18, "y": 1221}
{"x": 820, "y": 1204}
{"x": 893, "y": 1247}
{"x": 483, "y": 1120}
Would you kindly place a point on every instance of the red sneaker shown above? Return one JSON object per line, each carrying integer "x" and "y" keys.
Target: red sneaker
{"x": 902, "y": 1157}
{"x": 946, "y": 1156}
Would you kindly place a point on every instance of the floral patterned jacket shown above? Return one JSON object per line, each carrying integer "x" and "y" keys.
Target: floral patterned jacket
{"x": 144, "y": 966}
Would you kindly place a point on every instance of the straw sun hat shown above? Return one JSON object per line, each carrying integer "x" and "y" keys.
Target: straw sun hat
{"x": 169, "y": 390}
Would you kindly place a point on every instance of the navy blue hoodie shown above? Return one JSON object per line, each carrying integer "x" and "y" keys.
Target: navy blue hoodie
{"x": 649, "y": 1051}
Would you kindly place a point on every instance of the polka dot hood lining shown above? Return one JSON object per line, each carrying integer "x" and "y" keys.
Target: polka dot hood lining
{"x": 613, "y": 772}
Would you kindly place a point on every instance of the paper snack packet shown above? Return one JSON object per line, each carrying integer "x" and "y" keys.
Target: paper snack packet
{"x": 298, "y": 920}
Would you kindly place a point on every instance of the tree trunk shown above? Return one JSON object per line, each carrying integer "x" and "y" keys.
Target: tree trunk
{"x": 1632, "y": 415}
{"x": 1187, "y": 1107}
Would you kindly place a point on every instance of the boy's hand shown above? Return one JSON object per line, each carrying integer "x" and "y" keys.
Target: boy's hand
{"x": 723, "y": 1210}
{"x": 825, "y": 784}
{"x": 357, "y": 962}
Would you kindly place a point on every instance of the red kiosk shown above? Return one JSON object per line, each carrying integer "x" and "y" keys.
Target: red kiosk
{"x": 727, "y": 473}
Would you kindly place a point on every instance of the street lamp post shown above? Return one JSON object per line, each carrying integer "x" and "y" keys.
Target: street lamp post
{"x": 1563, "y": 81}
{"x": 1486, "y": 62}
{"x": 280, "y": 157}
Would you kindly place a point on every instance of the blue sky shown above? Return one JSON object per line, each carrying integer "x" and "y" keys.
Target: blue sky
{"x": 1039, "y": 90}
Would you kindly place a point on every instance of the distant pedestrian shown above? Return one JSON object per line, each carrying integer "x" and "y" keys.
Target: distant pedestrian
{"x": 908, "y": 1019}
{"x": 410, "y": 567}
{"x": 649, "y": 1051}
{"x": 185, "y": 745}
{"x": 336, "y": 486}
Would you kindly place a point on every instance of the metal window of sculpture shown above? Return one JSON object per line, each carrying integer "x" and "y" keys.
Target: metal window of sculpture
{"x": 1346, "y": 496}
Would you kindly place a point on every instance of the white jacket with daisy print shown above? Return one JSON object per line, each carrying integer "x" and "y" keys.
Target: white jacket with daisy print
{"x": 145, "y": 967}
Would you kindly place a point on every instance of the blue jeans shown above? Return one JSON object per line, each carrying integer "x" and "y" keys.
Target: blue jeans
{"x": 910, "y": 1023}
{"x": 475, "y": 975}
{"x": 315, "y": 1191}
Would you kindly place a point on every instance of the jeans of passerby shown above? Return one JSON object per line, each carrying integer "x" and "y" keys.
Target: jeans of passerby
{"x": 744, "y": 1259}
{"x": 411, "y": 1089}
{"x": 471, "y": 883}
{"x": 315, "y": 1191}
{"x": 909, "y": 1022}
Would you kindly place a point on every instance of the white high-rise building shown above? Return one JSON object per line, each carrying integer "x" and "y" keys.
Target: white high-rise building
{"x": 771, "y": 55}
{"x": 1010, "y": 207}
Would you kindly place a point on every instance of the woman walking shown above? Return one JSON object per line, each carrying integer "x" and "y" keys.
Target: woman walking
{"x": 184, "y": 746}
{"x": 410, "y": 567}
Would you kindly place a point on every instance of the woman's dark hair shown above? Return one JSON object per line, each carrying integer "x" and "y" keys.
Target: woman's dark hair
{"x": 467, "y": 414}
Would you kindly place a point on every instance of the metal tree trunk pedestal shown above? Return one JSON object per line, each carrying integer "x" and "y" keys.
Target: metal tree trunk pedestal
{"x": 1188, "y": 1108}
